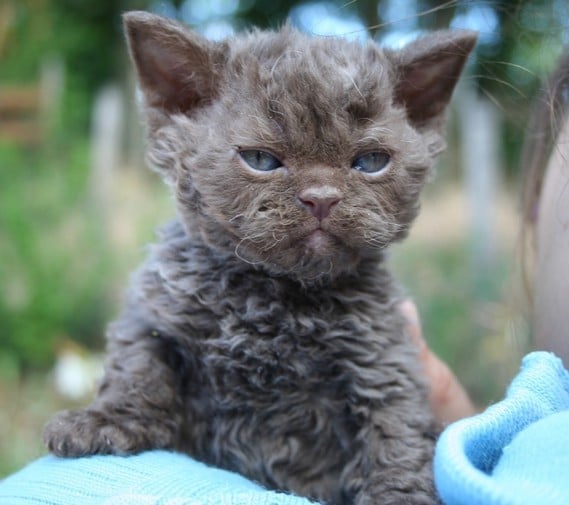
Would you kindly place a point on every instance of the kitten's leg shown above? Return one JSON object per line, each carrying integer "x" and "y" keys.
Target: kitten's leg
{"x": 139, "y": 405}
{"x": 394, "y": 466}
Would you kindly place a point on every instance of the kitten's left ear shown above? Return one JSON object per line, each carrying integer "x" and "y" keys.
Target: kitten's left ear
{"x": 427, "y": 71}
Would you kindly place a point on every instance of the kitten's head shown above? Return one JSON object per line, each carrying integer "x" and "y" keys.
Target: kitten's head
{"x": 303, "y": 155}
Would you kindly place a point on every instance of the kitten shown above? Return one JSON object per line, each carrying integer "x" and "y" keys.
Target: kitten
{"x": 262, "y": 335}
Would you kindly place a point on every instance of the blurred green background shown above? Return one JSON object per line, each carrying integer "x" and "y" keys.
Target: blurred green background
{"x": 77, "y": 204}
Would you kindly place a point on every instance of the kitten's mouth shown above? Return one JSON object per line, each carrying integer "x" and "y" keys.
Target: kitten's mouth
{"x": 319, "y": 240}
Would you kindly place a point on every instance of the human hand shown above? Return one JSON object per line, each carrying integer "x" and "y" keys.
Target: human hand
{"x": 449, "y": 400}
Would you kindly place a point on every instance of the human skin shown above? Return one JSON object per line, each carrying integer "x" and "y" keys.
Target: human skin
{"x": 551, "y": 317}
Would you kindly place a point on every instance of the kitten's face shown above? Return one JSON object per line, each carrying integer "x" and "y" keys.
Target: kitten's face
{"x": 308, "y": 172}
{"x": 300, "y": 156}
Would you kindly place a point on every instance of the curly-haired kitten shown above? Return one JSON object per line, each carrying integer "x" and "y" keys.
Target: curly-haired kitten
{"x": 262, "y": 335}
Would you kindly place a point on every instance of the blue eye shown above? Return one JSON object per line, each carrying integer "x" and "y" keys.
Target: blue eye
{"x": 260, "y": 160}
{"x": 371, "y": 163}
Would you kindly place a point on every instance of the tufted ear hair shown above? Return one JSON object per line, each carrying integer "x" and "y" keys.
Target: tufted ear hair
{"x": 177, "y": 69}
{"x": 427, "y": 70}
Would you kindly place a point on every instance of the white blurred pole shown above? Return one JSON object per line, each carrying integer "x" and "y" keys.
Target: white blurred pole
{"x": 52, "y": 84}
{"x": 106, "y": 141}
{"x": 480, "y": 157}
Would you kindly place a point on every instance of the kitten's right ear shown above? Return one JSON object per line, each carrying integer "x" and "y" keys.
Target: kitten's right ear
{"x": 428, "y": 70}
{"x": 176, "y": 68}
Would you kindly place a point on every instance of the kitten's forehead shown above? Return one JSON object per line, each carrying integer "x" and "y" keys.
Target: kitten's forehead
{"x": 333, "y": 65}
{"x": 312, "y": 88}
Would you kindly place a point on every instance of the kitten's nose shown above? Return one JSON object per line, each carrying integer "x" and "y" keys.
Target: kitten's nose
{"x": 320, "y": 200}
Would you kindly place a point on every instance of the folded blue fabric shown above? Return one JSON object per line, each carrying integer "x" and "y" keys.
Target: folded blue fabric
{"x": 517, "y": 451}
{"x": 150, "y": 478}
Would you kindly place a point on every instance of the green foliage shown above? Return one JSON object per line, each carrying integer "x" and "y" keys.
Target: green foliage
{"x": 85, "y": 34}
{"x": 27, "y": 41}
{"x": 52, "y": 273}
{"x": 88, "y": 34}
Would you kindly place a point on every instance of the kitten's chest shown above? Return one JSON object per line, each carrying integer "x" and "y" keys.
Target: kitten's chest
{"x": 274, "y": 347}
{"x": 284, "y": 376}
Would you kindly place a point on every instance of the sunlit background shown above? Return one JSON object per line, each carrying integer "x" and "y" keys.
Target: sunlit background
{"x": 77, "y": 204}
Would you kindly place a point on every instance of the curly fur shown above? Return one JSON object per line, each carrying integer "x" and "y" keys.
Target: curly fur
{"x": 257, "y": 336}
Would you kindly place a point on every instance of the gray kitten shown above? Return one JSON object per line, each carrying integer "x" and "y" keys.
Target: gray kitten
{"x": 262, "y": 335}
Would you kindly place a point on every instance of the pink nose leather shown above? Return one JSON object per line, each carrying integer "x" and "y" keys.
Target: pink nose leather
{"x": 320, "y": 200}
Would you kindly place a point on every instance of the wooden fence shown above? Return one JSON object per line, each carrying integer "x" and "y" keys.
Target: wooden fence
{"x": 21, "y": 115}
{"x": 27, "y": 110}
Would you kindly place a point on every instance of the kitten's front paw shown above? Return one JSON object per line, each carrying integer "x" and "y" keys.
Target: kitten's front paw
{"x": 75, "y": 433}
{"x": 413, "y": 500}
{"x": 400, "y": 499}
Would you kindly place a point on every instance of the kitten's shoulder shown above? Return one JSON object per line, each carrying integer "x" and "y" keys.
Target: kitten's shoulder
{"x": 178, "y": 254}
{"x": 172, "y": 276}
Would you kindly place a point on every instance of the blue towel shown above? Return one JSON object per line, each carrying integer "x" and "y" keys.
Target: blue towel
{"x": 517, "y": 451}
{"x": 150, "y": 478}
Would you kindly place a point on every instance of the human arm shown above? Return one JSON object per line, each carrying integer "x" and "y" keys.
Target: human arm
{"x": 449, "y": 400}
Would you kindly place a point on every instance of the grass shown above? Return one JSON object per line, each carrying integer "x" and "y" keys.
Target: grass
{"x": 25, "y": 405}
{"x": 52, "y": 255}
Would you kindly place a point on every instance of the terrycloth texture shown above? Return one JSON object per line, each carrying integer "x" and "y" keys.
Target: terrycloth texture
{"x": 517, "y": 451}
{"x": 151, "y": 478}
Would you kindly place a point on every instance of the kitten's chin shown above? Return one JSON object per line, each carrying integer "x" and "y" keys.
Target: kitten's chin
{"x": 312, "y": 257}
{"x": 317, "y": 258}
